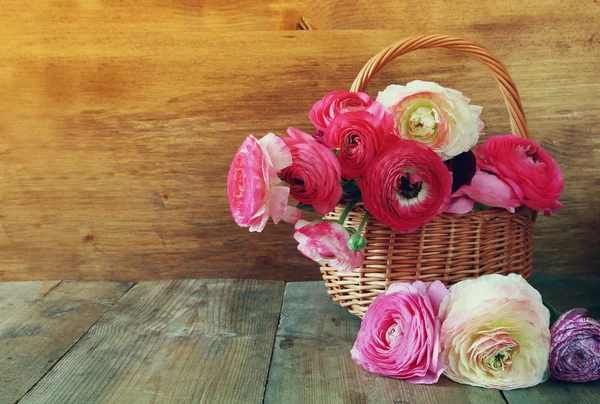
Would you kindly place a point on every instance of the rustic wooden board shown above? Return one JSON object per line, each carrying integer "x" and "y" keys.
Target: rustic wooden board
{"x": 173, "y": 342}
{"x": 554, "y": 392}
{"x": 40, "y": 322}
{"x": 312, "y": 363}
{"x": 116, "y": 132}
{"x": 443, "y": 16}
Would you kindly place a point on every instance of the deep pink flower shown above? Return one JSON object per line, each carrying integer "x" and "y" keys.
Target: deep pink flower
{"x": 327, "y": 244}
{"x": 575, "y": 348}
{"x": 400, "y": 334}
{"x": 254, "y": 190}
{"x": 486, "y": 189}
{"x": 530, "y": 171}
{"x": 359, "y": 136}
{"x": 336, "y": 103}
{"x": 406, "y": 185}
{"x": 315, "y": 173}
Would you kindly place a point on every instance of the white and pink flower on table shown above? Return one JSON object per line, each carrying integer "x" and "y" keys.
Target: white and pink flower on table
{"x": 406, "y": 156}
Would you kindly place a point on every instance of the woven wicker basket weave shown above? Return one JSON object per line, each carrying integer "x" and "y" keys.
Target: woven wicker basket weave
{"x": 452, "y": 247}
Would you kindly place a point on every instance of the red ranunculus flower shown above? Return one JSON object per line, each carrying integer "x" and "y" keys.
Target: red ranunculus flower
{"x": 315, "y": 173}
{"x": 336, "y": 103}
{"x": 406, "y": 185}
{"x": 526, "y": 167}
{"x": 359, "y": 135}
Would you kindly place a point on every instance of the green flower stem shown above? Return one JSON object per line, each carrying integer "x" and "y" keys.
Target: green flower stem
{"x": 554, "y": 312}
{"x": 347, "y": 210}
{"x": 363, "y": 222}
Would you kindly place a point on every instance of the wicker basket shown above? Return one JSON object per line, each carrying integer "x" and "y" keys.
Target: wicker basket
{"x": 451, "y": 247}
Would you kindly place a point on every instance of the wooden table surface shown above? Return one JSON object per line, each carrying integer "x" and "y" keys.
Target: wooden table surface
{"x": 217, "y": 341}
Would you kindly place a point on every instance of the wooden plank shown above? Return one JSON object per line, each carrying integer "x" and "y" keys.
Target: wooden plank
{"x": 173, "y": 342}
{"x": 565, "y": 293}
{"x": 554, "y": 392}
{"x": 117, "y": 133}
{"x": 39, "y": 324}
{"x": 443, "y": 16}
{"x": 312, "y": 364}
{"x": 171, "y": 15}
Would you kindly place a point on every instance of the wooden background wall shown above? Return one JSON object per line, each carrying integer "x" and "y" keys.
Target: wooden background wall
{"x": 119, "y": 119}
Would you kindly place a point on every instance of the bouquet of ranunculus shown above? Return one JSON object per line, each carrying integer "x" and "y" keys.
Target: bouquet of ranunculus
{"x": 406, "y": 156}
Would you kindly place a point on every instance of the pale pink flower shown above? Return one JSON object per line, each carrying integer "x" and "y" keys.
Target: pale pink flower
{"x": 486, "y": 189}
{"x": 439, "y": 117}
{"x": 495, "y": 333}
{"x": 399, "y": 336}
{"x": 255, "y": 191}
{"x": 327, "y": 244}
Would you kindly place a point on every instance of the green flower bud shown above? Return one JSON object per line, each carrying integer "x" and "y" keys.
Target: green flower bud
{"x": 357, "y": 242}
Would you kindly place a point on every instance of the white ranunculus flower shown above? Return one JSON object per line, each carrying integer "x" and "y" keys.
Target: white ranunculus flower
{"x": 495, "y": 333}
{"x": 439, "y": 117}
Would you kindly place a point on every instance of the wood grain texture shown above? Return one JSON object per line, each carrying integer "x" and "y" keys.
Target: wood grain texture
{"x": 312, "y": 364}
{"x": 173, "y": 342}
{"x": 116, "y": 133}
{"x": 555, "y": 392}
{"x": 39, "y": 323}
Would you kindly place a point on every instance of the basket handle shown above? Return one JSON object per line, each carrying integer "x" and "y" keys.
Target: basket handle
{"x": 477, "y": 51}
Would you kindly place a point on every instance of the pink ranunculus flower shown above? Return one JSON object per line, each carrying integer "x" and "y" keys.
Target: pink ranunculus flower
{"x": 406, "y": 185}
{"x": 399, "y": 336}
{"x": 335, "y": 103}
{"x": 327, "y": 244}
{"x": 439, "y": 117}
{"x": 486, "y": 189}
{"x": 495, "y": 333}
{"x": 255, "y": 191}
{"x": 521, "y": 163}
{"x": 359, "y": 136}
{"x": 315, "y": 173}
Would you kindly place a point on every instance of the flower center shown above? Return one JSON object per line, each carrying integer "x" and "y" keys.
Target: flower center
{"x": 319, "y": 136}
{"x": 533, "y": 156}
{"x": 502, "y": 359}
{"x": 423, "y": 122}
{"x": 352, "y": 140}
{"x": 394, "y": 333}
{"x": 408, "y": 190}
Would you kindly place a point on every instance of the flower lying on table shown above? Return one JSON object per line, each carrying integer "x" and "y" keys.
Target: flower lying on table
{"x": 575, "y": 348}
{"x": 400, "y": 336}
